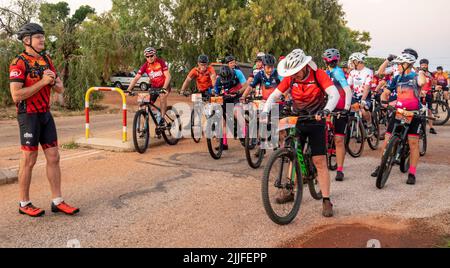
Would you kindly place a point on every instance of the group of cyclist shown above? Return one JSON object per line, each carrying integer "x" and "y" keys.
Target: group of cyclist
{"x": 334, "y": 90}
{"x": 312, "y": 91}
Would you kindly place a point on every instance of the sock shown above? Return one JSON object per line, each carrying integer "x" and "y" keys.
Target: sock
{"x": 24, "y": 203}
{"x": 225, "y": 141}
{"x": 58, "y": 201}
{"x": 340, "y": 169}
{"x": 412, "y": 170}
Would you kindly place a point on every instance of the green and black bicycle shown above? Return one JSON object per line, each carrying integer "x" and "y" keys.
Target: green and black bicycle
{"x": 286, "y": 172}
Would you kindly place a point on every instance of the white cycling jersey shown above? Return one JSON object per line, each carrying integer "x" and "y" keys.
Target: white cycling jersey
{"x": 357, "y": 80}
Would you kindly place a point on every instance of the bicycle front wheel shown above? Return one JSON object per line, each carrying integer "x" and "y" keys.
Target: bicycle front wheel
{"x": 441, "y": 112}
{"x": 282, "y": 187}
{"x": 141, "y": 131}
{"x": 355, "y": 138}
{"x": 196, "y": 126}
{"x": 387, "y": 162}
{"x": 253, "y": 151}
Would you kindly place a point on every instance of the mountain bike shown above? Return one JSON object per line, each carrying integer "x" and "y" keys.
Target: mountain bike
{"x": 287, "y": 170}
{"x": 397, "y": 150}
{"x": 358, "y": 133}
{"x": 171, "y": 131}
{"x": 440, "y": 108}
{"x": 197, "y": 115}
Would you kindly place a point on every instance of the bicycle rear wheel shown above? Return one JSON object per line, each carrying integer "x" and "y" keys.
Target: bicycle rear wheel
{"x": 282, "y": 177}
{"x": 173, "y": 131}
{"x": 141, "y": 131}
{"x": 387, "y": 162}
{"x": 215, "y": 144}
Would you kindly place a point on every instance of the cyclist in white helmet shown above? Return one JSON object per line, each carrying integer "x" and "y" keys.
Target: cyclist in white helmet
{"x": 309, "y": 88}
{"x": 407, "y": 85}
{"x": 360, "y": 80}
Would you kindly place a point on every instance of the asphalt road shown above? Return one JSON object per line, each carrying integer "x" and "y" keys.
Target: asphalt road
{"x": 178, "y": 196}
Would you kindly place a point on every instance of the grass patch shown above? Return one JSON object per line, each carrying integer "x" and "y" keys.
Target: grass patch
{"x": 70, "y": 146}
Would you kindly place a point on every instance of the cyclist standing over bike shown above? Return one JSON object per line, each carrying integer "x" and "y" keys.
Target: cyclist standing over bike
{"x": 443, "y": 81}
{"x": 331, "y": 58}
{"x": 229, "y": 83}
{"x": 360, "y": 80}
{"x": 32, "y": 78}
{"x": 407, "y": 85}
{"x": 204, "y": 75}
{"x": 426, "y": 91}
{"x": 309, "y": 87}
{"x": 159, "y": 76}
{"x": 266, "y": 79}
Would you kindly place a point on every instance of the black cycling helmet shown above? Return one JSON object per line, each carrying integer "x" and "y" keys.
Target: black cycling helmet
{"x": 269, "y": 60}
{"x": 424, "y": 61}
{"x": 229, "y": 59}
{"x": 411, "y": 51}
{"x": 29, "y": 29}
{"x": 226, "y": 74}
{"x": 203, "y": 59}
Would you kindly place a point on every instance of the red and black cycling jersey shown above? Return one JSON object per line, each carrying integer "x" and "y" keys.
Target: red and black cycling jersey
{"x": 29, "y": 70}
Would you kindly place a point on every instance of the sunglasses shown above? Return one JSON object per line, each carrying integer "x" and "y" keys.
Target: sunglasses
{"x": 150, "y": 56}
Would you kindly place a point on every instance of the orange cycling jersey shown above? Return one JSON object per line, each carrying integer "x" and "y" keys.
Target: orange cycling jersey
{"x": 29, "y": 70}
{"x": 441, "y": 79}
{"x": 203, "y": 79}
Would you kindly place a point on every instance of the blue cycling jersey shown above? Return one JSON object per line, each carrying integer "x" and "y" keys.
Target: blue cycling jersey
{"x": 338, "y": 77}
{"x": 262, "y": 80}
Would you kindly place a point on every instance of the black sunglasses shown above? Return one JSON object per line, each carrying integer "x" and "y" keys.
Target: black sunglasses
{"x": 150, "y": 56}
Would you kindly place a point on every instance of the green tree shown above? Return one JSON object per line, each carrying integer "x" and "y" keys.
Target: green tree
{"x": 65, "y": 45}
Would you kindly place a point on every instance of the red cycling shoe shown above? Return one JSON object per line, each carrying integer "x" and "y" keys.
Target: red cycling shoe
{"x": 31, "y": 211}
{"x": 64, "y": 208}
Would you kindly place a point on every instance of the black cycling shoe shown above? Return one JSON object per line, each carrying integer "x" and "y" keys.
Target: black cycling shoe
{"x": 433, "y": 131}
{"x": 411, "y": 179}
{"x": 375, "y": 173}
{"x": 340, "y": 176}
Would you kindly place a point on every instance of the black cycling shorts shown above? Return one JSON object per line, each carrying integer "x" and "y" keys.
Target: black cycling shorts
{"x": 315, "y": 131}
{"x": 35, "y": 129}
{"x": 413, "y": 130}
{"x": 340, "y": 125}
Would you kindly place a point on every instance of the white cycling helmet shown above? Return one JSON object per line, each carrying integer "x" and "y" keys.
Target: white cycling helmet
{"x": 357, "y": 56}
{"x": 294, "y": 63}
{"x": 149, "y": 51}
{"x": 405, "y": 58}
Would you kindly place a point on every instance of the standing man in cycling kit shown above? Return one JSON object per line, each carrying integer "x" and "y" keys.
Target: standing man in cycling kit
{"x": 426, "y": 91}
{"x": 331, "y": 58}
{"x": 32, "y": 78}
{"x": 360, "y": 80}
{"x": 204, "y": 75}
{"x": 407, "y": 85}
{"x": 309, "y": 87}
{"x": 159, "y": 76}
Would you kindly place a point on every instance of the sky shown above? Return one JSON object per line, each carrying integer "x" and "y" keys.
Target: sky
{"x": 393, "y": 24}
